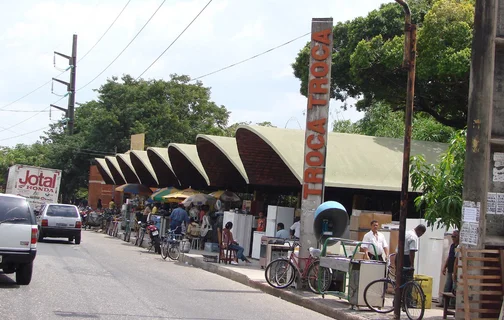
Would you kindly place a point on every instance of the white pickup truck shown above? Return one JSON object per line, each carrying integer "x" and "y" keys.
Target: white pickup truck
{"x": 18, "y": 237}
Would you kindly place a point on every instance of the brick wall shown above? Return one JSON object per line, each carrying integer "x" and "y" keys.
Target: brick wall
{"x": 261, "y": 162}
{"x": 99, "y": 190}
{"x": 188, "y": 175}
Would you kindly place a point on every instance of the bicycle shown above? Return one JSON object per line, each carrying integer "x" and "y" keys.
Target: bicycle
{"x": 170, "y": 245}
{"x": 379, "y": 294}
{"x": 280, "y": 273}
{"x": 140, "y": 234}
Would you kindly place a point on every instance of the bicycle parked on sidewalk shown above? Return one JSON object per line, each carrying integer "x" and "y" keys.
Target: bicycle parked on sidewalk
{"x": 281, "y": 273}
{"x": 379, "y": 294}
{"x": 170, "y": 245}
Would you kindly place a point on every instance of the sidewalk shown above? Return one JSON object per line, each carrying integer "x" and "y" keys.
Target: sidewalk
{"x": 253, "y": 276}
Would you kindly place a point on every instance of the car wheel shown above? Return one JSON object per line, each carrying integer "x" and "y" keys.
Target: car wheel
{"x": 24, "y": 273}
{"x": 70, "y": 239}
{"x": 40, "y": 236}
{"x": 77, "y": 239}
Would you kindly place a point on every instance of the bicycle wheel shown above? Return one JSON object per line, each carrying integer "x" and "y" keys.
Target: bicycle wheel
{"x": 280, "y": 273}
{"x": 413, "y": 299}
{"x": 164, "y": 249}
{"x": 379, "y": 295}
{"x": 140, "y": 239}
{"x": 319, "y": 278}
{"x": 173, "y": 252}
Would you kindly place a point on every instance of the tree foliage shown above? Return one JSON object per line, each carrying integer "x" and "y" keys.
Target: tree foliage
{"x": 441, "y": 184}
{"x": 368, "y": 54}
{"x": 380, "y": 121}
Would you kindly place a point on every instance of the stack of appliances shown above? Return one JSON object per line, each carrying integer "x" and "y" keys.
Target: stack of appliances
{"x": 242, "y": 228}
{"x": 275, "y": 215}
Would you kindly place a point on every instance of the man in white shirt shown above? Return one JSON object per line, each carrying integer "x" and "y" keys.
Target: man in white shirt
{"x": 296, "y": 228}
{"x": 379, "y": 241}
{"x": 411, "y": 241}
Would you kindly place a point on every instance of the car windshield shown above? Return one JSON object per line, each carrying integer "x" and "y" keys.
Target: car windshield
{"x": 15, "y": 210}
{"x": 62, "y": 211}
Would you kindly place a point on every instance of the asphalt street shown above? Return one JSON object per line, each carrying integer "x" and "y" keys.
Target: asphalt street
{"x": 106, "y": 278}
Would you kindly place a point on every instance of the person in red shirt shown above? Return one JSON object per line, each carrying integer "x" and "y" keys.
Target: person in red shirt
{"x": 261, "y": 222}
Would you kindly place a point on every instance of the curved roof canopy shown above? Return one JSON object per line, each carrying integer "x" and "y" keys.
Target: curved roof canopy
{"x": 115, "y": 170}
{"x": 127, "y": 168}
{"x": 162, "y": 167}
{"x": 275, "y": 156}
{"x": 221, "y": 160}
{"x": 187, "y": 165}
{"x": 143, "y": 168}
{"x": 104, "y": 171}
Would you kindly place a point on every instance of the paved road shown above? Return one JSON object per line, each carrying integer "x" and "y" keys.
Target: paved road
{"x": 105, "y": 278}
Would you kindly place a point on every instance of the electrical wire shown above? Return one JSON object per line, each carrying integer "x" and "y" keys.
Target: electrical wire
{"x": 120, "y": 53}
{"x": 103, "y": 35}
{"x": 13, "y": 110}
{"x": 29, "y": 93}
{"x": 14, "y": 125}
{"x": 173, "y": 42}
{"x": 248, "y": 59}
{"x": 24, "y": 134}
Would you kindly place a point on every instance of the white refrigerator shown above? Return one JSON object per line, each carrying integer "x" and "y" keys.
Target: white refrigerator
{"x": 276, "y": 215}
{"x": 242, "y": 228}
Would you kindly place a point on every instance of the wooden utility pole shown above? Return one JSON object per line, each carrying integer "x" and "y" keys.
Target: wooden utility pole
{"x": 70, "y": 111}
{"x": 409, "y": 63}
{"x": 483, "y": 195}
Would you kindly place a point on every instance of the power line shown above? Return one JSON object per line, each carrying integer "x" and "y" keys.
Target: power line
{"x": 29, "y": 93}
{"x": 248, "y": 59}
{"x": 103, "y": 35}
{"x": 120, "y": 53}
{"x": 24, "y": 134}
{"x": 13, "y": 110}
{"x": 23, "y": 121}
{"x": 173, "y": 42}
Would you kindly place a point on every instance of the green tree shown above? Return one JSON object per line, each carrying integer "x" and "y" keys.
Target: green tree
{"x": 34, "y": 155}
{"x": 166, "y": 111}
{"x": 441, "y": 184}
{"x": 368, "y": 54}
{"x": 380, "y": 121}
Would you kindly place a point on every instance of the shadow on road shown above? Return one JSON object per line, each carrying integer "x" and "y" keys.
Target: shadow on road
{"x": 228, "y": 291}
{"x": 60, "y": 241}
{"x": 6, "y": 282}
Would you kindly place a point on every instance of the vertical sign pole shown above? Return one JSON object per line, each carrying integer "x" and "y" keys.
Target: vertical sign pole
{"x": 316, "y": 128}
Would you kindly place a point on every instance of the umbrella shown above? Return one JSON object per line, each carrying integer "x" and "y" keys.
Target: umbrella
{"x": 180, "y": 195}
{"x": 226, "y": 196}
{"x": 160, "y": 193}
{"x": 134, "y": 189}
{"x": 199, "y": 199}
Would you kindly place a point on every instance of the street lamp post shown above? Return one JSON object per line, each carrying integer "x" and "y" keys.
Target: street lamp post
{"x": 409, "y": 62}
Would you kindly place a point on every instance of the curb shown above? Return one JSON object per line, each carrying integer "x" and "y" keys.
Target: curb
{"x": 286, "y": 295}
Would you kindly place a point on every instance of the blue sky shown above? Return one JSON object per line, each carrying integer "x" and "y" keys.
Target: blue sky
{"x": 262, "y": 89}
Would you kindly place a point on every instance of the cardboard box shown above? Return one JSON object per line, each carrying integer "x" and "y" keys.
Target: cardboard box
{"x": 357, "y": 235}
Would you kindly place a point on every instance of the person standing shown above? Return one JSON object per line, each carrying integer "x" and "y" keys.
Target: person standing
{"x": 261, "y": 222}
{"x": 448, "y": 266}
{"x": 177, "y": 217}
{"x": 99, "y": 205}
{"x": 379, "y": 241}
{"x": 411, "y": 241}
{"x": 296, "y": 228}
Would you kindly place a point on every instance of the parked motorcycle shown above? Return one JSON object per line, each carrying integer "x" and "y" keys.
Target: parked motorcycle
{"x": 154, "y": 236}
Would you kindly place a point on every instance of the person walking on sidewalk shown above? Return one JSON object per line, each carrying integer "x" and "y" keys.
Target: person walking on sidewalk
{"x": 448, "y": 266}
{"x": 228, "y": 240}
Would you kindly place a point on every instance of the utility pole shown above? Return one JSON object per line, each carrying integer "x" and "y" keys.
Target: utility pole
{"x": 409, "y": 63}
{"x": 72, "y": 62}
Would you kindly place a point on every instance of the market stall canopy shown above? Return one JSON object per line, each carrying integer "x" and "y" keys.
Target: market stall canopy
{"x": 221, "y": 160}
{"x": 226, "y": 196}
{"x": 160, "y": 193}
{"x": 134, "y": 188}
{"x": 180, "y": 195}
{"x": 161, "y": 165}
{"x": 115, "y": 170}
{"x": 199, "y": 199}
{"x": 104, "y": 170}
{"x": 187, "y": 165}
{"x": 127, "y": 168}
{"x": 143, "y": 168}
{"x": 273, "y": 156}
